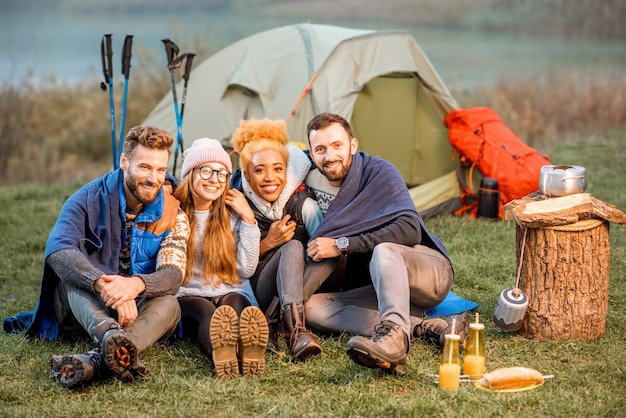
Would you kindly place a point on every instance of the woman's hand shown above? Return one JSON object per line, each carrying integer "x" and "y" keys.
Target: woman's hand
{"x": 237, "y": 202}
{"x": 280, "y": 232}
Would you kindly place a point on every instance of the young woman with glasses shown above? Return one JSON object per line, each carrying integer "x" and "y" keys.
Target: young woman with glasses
{"x": 218, "y": 306}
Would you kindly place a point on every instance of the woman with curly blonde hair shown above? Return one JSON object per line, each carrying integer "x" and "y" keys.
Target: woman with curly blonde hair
{"x": 218, "y": 307}
{"x": 271, "y": 176}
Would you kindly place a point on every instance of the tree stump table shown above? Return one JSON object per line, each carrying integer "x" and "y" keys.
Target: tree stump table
{"x": 564, "y": 251}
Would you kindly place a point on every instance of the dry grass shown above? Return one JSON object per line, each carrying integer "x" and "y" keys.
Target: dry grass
{"x": 59, "y": 134}
{"x": 565, "y": 105}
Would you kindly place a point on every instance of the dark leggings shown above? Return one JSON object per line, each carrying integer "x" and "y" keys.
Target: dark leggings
{"x": 196, "y": 313}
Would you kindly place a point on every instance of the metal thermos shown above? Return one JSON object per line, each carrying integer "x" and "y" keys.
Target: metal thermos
{"x": 488, "y": 198}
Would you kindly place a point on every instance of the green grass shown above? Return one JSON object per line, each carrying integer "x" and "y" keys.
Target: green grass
{"x": 590, "y": 375}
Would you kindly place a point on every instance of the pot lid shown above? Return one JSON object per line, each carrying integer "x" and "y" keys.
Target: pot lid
{"x": 563, "y": 169}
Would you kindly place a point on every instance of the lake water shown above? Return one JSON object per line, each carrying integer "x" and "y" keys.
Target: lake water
{"x": 67, "y": 46}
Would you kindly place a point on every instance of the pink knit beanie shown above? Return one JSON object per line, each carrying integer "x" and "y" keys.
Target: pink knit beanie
{"x": 202, "y": 151}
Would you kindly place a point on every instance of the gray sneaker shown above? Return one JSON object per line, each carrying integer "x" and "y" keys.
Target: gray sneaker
{"x": 435, "y": 329}
{"x": 385, "y": 350}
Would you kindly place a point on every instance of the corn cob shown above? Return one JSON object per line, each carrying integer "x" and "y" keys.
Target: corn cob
{"x": 511, "y": 377}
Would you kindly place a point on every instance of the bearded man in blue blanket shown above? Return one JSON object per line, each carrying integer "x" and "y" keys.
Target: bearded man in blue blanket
{"x": 374, "y": 270}
{"x": 114, "y": 261}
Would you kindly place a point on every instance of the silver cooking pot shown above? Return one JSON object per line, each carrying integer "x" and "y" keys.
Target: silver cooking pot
{"x": 562, "y": 180}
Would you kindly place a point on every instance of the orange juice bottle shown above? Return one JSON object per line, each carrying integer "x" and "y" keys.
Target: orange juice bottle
{"x": 450, "y": 364}
{"x": 474, "y": 360}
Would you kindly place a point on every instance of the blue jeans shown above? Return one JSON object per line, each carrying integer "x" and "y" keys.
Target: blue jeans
{"x": 406, "y": 282}
{"x": 76, "y": 308}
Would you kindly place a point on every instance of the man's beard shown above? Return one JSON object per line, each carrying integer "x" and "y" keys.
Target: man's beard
{"x": 343, "y": 172}
{"x": 143, "y": 196}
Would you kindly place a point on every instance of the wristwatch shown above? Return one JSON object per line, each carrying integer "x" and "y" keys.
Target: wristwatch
{"x": 342, "y": 245}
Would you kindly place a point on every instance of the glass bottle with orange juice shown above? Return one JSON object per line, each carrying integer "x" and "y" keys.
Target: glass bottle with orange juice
{"x": 474, "y": 359}
{"x": 450, "y": 364}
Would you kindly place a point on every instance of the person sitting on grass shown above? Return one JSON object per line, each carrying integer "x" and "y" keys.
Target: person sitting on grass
{"x": 372, "y": 262}
{"x": 272, "y": 178}
{"x": 113, "y": 263}
{"x": 218, "y": 307}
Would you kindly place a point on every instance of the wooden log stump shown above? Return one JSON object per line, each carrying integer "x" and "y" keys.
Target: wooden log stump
{"x": 565, "y": 274}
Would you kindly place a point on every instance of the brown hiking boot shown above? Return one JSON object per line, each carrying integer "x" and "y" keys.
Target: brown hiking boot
{"x": 253, "y": 335}
{"x": 273, "y": 322}
{"x": 76, "y": 370}
{"x": 224, "y": 331}
{"x": 435, "y": 329}
{"x": 118, "y": 351}
{"x": 385, "y": 350}
{"x": 301, "y": 342}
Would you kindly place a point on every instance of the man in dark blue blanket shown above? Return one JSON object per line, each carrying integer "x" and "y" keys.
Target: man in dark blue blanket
{"x": 114, "y": 261}
{"x": 374, "y": 265}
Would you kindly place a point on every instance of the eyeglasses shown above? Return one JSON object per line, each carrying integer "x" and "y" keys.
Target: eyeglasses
{"x": 207, "y": 172}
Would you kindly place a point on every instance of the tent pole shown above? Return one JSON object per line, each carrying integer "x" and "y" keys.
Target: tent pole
{"x": 306, "y": 90}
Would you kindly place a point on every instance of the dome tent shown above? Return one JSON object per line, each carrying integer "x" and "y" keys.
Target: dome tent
{"x": 380, "y": 81}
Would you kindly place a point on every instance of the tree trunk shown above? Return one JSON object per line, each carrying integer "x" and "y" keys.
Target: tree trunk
{"x": 565, "y": 274}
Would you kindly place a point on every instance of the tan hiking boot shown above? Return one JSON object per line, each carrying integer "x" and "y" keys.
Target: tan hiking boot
{"x": 224, "y": 331}
{"x": 385, "y": 350}
{"x": 253, "y": 336}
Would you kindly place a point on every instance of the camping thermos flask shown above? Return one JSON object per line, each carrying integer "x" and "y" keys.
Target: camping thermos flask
{"x": 488, "y": 198}
{"x": 511, "y": 309}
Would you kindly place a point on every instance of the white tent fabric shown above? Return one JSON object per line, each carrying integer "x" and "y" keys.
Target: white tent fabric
{"x": 263, "y": 75}
{"x": 295, "y": 72}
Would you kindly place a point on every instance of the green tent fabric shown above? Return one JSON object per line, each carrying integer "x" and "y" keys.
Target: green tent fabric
{"x": 380, "y": 81}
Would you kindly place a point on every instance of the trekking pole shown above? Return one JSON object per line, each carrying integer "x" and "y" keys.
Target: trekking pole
{"x": 186, "y": 75}
{"x": 171, "y": 50}
{"x": 188, "y": 57}
{"x": 107, "y": 68}
{"x": 126, "y": 54}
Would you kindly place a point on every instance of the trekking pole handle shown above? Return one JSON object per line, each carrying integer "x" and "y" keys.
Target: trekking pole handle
{"x": 171, "y": 50}
{"x": 188, "y": 63}
{"x": 109, "y": 54}
{"x": 126, "y": 54}
{"x": 106, "y": 54}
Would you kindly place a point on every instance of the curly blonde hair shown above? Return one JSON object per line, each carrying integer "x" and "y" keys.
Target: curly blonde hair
{"x": 255, "y": 135}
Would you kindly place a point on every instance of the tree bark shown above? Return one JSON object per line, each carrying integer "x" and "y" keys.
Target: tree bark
{"x": 565, "y": 274}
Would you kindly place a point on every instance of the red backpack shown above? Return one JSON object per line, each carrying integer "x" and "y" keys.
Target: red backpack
{"x": 485, "y": 142}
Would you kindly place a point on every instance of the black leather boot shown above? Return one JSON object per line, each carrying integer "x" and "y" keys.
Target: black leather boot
{"x": 301, "y": 342}
{"x": 78, "y": 369}
{"x": 118, "y": 351}
{"x": 272, "y": 314}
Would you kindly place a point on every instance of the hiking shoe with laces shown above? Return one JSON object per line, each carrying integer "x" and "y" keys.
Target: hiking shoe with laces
{"x": 301, "y": 342}
{"x": 118, "y": 351}
{"x": 76, "y": 370}
{"x": 435, "y": 329}
{"x": 385, "y": 350}
{"x": 224, "y": 332}
{"x": 253, "y": 336}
